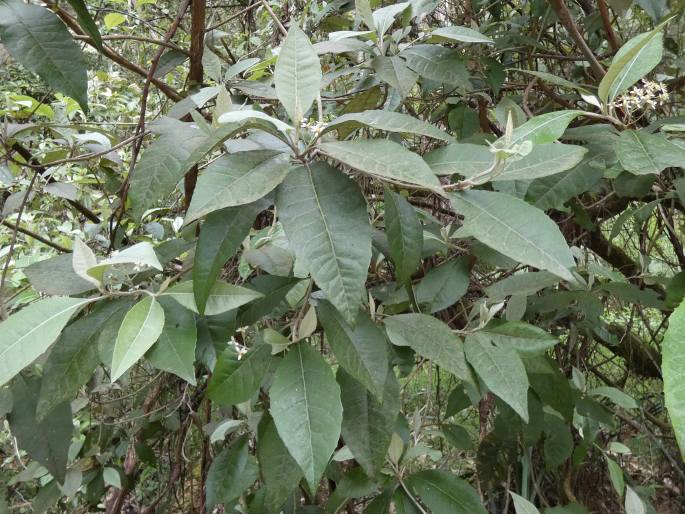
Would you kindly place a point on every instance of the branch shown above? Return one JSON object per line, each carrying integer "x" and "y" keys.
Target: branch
{"x": 606, "y": 21}
{"x": 35, "y": 236}
{"x": 567, "y": 20}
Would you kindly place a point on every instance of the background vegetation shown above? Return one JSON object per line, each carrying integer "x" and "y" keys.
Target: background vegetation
{"x": 342, "y": 256}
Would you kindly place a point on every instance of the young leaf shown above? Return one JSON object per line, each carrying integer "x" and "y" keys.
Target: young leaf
{"x": 231, "y": 473}
{"x": 430, "y": 338}
{"x": 297, "y": 75}
{"x": 672, "y": 366}
{"x": 38, "y": 39}
{"x": 140, "y": 329}
{"x": 46, "y": 441}
{"x": 222, "y": 234}
{"x": 24, "y": 336}
{"x": 324, "y": 216}
{"x": 384, "y": 159}
{"x": 635, "y": 59}
{"x": 306, "y": 407}
{"x": 222, "y": 297}
{"x": 444, "y": 492}
{"x": 278, "y": 469}
{"x": 174, "y": 351}
{"x": 515, "y": 229}
{"x": 362, "y": 351}
{"x": 235, "y": 380}
{"x": 501, "y": 369}
{"x": 368, "y": 423}
{"x": 237, "y": 179}
{"x": 405, "y": 235}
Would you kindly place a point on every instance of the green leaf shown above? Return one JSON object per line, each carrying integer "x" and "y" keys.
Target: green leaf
{"x": 174, "y": 351}
{"x": 362, "y": 350}
{"x": 521, "y": 284}
{"x": 306, "y": 407}
{"x": 141, "y": 254}
{"x": 231, "y": 473}
{"x": 443, "y": 492}
{"x": 235, "y": 379}
{"x": 515, "y": 229}
{"x": 384, "y": 17}
{"x": 237, "y": 179}
{"x": 324, "y": 216}
{"x": 501, "y": 369}
{"x": 56, "y": 277}
{"x": 222, "y": 297}
{"x": 439, "y": 64}
{"x": 521, "y": 336}
{"x": 393, "y": 71}
{"x": 545, "y": 159}
{"x": 635, "y": 59}
{"x": 544, "y": 128}
{"x": 383, "y": 159}
{"x": 114, "y": 19}
{"x": 633, "y": 503}
{"x": 553, "y": 191}
{"x": 279, "y": 471}
{"x": 464, "y": 159}
{"x": 222, "y": 234}
{"x": 444, "y": 285}
{"x": 368, "y": 423}
{"x": 522, "y": 505}
{"x": 74, "y": 357}
{"x": 46, "y": 441}
{"x": 140, "y": 329}
{"x": 642, "y": 153}
{"x": 616, "y": 476}
{"x": 25, "y": 335}
{"x": 461, "y": 35}
{"x": 38, "y": 39}
{"x": 430, "y": 338}
{"x": 615, "y": 395}
{"x": 86, "y": 21}
{"x": 165, "y": 162}
{"x": 556, "y": 80}
{"x": 388, "y": 121}
{"x": 297, "y": 75}
{"x": 405, "y": 235}
{"x": 672, "y": 366}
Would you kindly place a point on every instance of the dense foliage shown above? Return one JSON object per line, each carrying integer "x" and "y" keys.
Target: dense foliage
{"x": 343, "y": 256}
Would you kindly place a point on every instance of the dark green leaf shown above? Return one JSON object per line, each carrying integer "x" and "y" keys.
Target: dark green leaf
{"x": 405, "y": 235}
{"x": 231, "y": 473}
{"x": 444, "y": 492}
{"x": 235, "y": 380}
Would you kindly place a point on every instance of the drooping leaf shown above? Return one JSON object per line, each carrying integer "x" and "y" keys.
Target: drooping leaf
{"x": 642, "y": 153}
{"x": 672, "y": 366}
{"x": 74, "y": 357}
{"x": 324, "y": 216}
{"x": 515, "y": 229}
{"x": 384, "y": 17}
{"x": 368, "y": 422}
{"x": 86, "y": 21}
{"x": 25, "y": 335}
{"x": 38, "y": 39}
{"x": 140, "y": 329}
{"x": 174, "y": 351}
{"x": 231, "y": 473}
{"x": 405, "y": 234}
{"x": 361, "y": 350}
{"x": 235, "y": 380}
{"x": 444, "y": 285}
{"x": 222, "y": 234}
{"x": 222, "y": 297}
{"x": 278, "y": 469}
{"x": 553, "y": 191}
{"x": 501, "y": 369}
{"x": 634, "y": 60}
{"x": 430, "y": 338}
{"x": 383, "y": 159}
{"x": 306, "y": 408}
{"x": 237, "y": 179}
{"x": 388, "y": 121}
{"x": 395, "y": 72}
{"x": 55, "y": 276}
{"x": 444, "y": 492}
{"x": 46, "y": 441}
{"x": 297, "y": 75}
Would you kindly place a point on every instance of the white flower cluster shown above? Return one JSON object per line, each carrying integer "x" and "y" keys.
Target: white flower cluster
{"x": 239, "y": 348}
{"x": 314, "y": 127}
{"x": 647, "y": 96}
